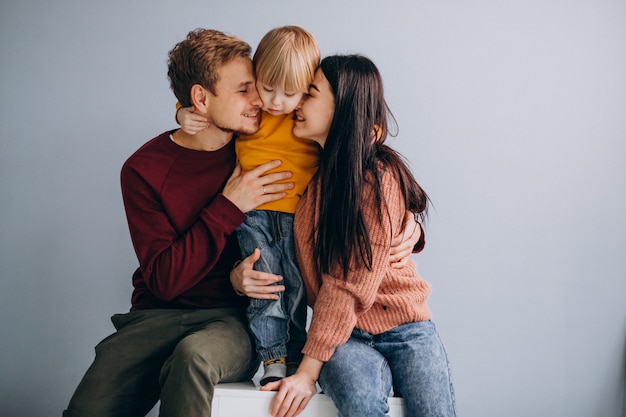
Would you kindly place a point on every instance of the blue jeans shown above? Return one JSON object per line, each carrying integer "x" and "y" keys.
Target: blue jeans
{"x": 360, "y": 374}
{"x": 278, "y": 326}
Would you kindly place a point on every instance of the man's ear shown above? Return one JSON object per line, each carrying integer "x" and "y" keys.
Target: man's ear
{"x": 200, "y": 98}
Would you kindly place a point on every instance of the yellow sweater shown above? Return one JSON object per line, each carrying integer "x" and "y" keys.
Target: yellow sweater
{"x": 375, "y": 301}
{"x": 274, "y": 140}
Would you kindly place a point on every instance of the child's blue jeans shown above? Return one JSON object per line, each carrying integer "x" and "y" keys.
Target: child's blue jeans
{"x": 278, "y": 326}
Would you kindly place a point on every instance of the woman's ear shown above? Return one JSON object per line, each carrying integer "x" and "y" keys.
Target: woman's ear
{"x": 200, "y": 98}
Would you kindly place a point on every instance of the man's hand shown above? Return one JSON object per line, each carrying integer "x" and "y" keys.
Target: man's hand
{"x": 402, "y": 246}
{"x": 248, "y": 190}
{"x": 255, "y": 284}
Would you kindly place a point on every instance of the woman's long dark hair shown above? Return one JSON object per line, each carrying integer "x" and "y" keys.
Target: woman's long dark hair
{"x": 354, "y": 149}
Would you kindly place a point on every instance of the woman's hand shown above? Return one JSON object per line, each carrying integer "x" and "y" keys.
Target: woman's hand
{"x": 255, "y": 284}
{"x": 295, "y": 392}
{"x": 402, "y": 246}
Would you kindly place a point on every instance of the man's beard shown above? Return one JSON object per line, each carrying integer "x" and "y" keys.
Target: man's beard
{"x": 236, "y": 131}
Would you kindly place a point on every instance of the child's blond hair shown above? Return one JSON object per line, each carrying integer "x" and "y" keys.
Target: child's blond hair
{"x": 287, "y": 58}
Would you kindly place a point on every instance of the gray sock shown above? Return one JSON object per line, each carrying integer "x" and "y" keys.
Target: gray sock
{"x": 273, "y": 372}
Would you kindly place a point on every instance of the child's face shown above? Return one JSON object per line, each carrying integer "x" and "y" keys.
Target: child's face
{"x": 277, "y": 101}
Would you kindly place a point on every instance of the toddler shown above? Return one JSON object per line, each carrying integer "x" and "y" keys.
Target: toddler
{"x": 285, "y": 63}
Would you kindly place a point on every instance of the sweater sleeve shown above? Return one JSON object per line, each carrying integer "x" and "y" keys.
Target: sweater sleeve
{"x": 171, "y": 260}
{"x": 342, "y": 299}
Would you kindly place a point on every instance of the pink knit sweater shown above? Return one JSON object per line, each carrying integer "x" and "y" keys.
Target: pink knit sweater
{"x": 374, "y": 301}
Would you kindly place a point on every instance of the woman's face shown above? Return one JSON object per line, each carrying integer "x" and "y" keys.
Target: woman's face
{"x": 315, "y": 112}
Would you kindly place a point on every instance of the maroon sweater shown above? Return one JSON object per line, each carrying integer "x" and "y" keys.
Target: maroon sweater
{"x": 181, "y": 225}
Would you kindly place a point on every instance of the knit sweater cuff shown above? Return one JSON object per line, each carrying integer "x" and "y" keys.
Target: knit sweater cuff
{"x": 317, "y": 351}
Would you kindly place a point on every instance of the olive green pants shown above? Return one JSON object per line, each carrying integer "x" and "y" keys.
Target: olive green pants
{"x": 176, "y": 356}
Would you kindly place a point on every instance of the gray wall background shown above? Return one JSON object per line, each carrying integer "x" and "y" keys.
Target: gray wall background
{"x": 512, "y": 114}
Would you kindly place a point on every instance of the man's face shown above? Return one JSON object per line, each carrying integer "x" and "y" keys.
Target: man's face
{"x": 236, "y": 106}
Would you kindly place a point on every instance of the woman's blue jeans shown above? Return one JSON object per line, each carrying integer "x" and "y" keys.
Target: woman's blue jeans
{"x": 411, "y": 358}
{"x": 278, "y": 327}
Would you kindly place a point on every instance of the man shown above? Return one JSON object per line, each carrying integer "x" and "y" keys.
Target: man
{"x": 184, "y": 197}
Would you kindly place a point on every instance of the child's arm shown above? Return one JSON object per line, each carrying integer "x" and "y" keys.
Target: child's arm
{"x": 190, "y": 122}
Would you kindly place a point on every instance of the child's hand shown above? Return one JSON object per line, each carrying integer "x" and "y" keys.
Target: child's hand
{"x": 190, "y": 122}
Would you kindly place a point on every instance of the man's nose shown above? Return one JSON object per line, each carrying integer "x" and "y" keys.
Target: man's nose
{"x": 256, "y": 99}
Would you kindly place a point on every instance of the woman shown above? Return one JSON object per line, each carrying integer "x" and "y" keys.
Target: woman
{"x": 371, "y": 327}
